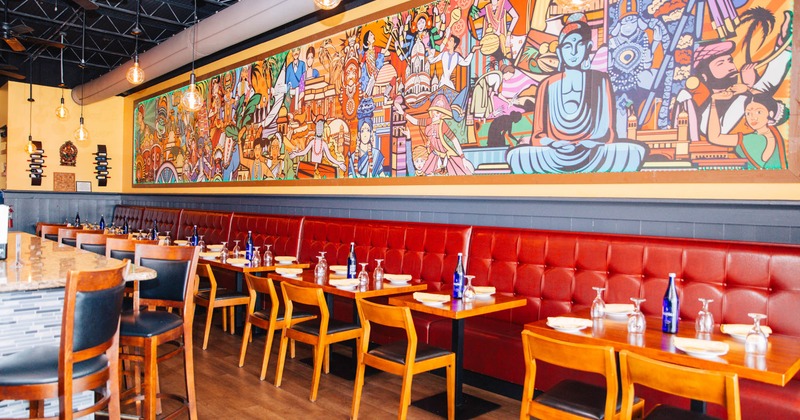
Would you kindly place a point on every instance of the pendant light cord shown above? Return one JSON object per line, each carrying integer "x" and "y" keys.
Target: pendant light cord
{"x": 194, "y": 35}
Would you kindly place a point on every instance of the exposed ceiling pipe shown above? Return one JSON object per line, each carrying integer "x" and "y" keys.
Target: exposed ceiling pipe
{"x": 230, "y": 26}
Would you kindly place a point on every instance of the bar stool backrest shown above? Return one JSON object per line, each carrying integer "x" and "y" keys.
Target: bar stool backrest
{"x": 121, "y": 248}
{"x": 68, "y": 233}
{"x": 175, "y": 282}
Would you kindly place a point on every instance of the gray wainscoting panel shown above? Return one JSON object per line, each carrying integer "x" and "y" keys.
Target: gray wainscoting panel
{"x": 758, "y": 221}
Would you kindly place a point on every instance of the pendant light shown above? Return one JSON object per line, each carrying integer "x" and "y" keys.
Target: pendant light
{"x": 30, "y": 147}
{"x": 81, "y": 135}
{"x": 135, "y": 74}
{"x": 327, "y": 4}
{"x": 192, "y": 101}
{"x": 61, "y": 111}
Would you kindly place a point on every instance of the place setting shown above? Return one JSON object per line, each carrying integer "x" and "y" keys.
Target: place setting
{"x": 431, "y": 299}
{"x": 568, "y": 324}
{"x": 288, "y": 271}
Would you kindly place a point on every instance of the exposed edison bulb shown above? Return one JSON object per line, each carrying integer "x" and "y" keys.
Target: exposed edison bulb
{"x": 135, "y": 74}
{"x": 61, "y": 111}
{"x": 327, "y": 4}
{"x": 192, "y": 101}
{"x": 81, "y": 134}
{"x": 30, "y": 147}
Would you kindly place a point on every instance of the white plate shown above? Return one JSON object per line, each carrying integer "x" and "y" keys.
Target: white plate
{"x": 209, "y": 255}
{"x": 215, "y": 247}
{"x": 564, "y": 329}
{"x": 237, "y": 262}
{"x": 289, "y": 275}
{"x": 340, "y": 269}
{"x": 432, "y": 303}
{"x": 619, "y": 310}
{"x": 347, "y": 287}
{"x": 181, "y": 242}
{"x": 483, "y": 296}
{"x": 687, "y": 346}
{"x": 285, "y": 259}
{"x": 398, "y": 282}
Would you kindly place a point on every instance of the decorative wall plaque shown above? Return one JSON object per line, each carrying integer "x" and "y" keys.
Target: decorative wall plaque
{"x": 101, "y": 165}
{"x": 36, "y": 164}
{"x": 68, "y": 153}
{"x": 63, "y": 181}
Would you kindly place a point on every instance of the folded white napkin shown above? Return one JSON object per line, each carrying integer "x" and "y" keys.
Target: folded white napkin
{"x": 696, "y": 345}
{"x": 215, "y": 247}
{"x": 235, "y": 261}
{"x": 742, "y": 329}
{"x": 285, "y": 258}
{"x": 338, "y": 268}
{"x": 288, "y": 271}
{"x": 619, "y": 308}
{"x": 567, "y": 322}
{"x": 209, "y": 254}
{"x": 431, "y": 297}
{"x": 342, "y": 282}
{"x": 397, "y": 277}
{"x": 485, "y": 290}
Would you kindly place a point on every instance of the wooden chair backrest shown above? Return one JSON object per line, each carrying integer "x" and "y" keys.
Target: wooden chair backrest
{"x": 204, "y": 270}
{"x": 66, "y": 232}
{"x": 162, "y": 291}
{"x": 582, "y": 357}
{"x": 264, "y": 285}
{"x": 710, "y": 386}
{"x": 390, "y": 316}
{"x": 51, "y": 228}
{"x": 306, "y": 295}
{"x": 114, "y": 243}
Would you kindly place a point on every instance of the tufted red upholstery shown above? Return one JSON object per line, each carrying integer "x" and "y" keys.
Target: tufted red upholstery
{"x": 167, "y": 219}
{"x": 282, "y": 232}
{"x": 132, "y": 213}
{"x": 215, "y": 226}
{"x": 426, "y": 251}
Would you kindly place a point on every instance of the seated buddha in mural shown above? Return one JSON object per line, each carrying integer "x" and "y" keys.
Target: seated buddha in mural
{"x": 573, "y": 127}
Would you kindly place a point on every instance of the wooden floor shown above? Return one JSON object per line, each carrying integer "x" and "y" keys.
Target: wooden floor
{"x": 225, "y": 391}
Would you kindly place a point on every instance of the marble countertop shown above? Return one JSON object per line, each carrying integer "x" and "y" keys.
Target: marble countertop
{"x": 45, "y": 264}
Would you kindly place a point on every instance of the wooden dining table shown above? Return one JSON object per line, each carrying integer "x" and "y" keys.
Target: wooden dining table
{"x": 467, "y": 406}
{"x": 777, "y": 367}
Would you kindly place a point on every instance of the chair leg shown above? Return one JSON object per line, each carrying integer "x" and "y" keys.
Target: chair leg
{"x": 359, "y": 386}
{"x": 319, "y": 356}
{"x": 281, "y": 359}
{"x": 267, "y": 350}
{"x": 405, "y": 394}
{"x": 150, "y": 379}
{"x": 232, "y": 319}
{"x": 327, "y": 359}
{"x": 224, "y": 320}
{"x": 291, "y": 351}
{"x": 113, "y": 387}
{"x": 36, "y": 409}
{"x": 209, "y": 316}
{"x": 188, "y": 366}
{"x": 451, "y": 391}
{"x": 245, "y": 339}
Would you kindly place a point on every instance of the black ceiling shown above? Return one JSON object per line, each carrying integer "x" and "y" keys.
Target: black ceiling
{"x": 108, "y": 43}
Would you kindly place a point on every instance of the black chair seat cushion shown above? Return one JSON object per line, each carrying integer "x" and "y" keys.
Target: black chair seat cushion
{"x": 577, "y": 398}
{"x": 39, "y": 365}
{"x": 50, "y": 236}
{"x": 396, "y": 352}
{"x": 334, "y": 326}
{"x": 68, "y": 241}
{"x": 148, "y": 323}
{"x": 668, "y": 412}
{"x": 264, "y": 314}
{"x": 222, "y": 294}
{"x": 99, "y": 249}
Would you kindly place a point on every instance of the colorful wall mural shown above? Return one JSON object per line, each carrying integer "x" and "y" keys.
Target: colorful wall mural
{"x": 470, "y": 87}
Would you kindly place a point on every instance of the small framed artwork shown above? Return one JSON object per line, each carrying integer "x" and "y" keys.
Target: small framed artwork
{"x": 64, "y": 182}
{"x": 83, "y": 186}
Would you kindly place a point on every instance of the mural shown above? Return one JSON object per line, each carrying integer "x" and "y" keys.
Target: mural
{"x": 470, "y": 87}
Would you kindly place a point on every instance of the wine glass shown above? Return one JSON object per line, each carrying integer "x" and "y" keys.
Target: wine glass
{"x": 140, "y": 235}
{"x": 320, "y": 270}
{"x": 756, "y": 341}
{"x": 469, "y": 291}
{"x": 377, "y": 274}
{"x": 202, "y": 244}
{"x": 223, "y": 253}
{"x": 236, "y": 249}
{"x": 598, "y": 306}
{"x": 256, "y": 260}
{"x": 268, "y": 259}
{"x": 167, "y": 239}
{"x": 323, "y": 262}
{"x": 363, "y": 276}
{"x": 705, "y": 319}
{"x": 636, "y": 321}
{"x": 150, "y": 233}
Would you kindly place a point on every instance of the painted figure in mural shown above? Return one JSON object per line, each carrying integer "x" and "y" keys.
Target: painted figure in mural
{"x": 446, "y": 156}
{"x": 574, "y": 117}
{"x": 451, "y": 59}
{"x": 349, "y": 95}
{"x": 488, "y": 87}
{"x": 500, "y": 134}
{"x": 144, "y": 132}
{"x": 764, "y": 147}
{"x": 295, "y": 76}
{"x": 495, "y": 34}
{"x": 318, "y": 147}
{"x": 311, "y": 72}
{"x": 366, "y": 161}
{"x": 274, "y": 159}
{"x": 714, "y": 66}
{"x": 371, "y": 63}
{"x": 259, "y": 168}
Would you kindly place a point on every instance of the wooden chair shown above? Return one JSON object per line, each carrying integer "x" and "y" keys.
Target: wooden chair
{"x": 405, "y": 358}
{"x": 122, "y": 248}
{"x": 94, "y": 242}
{"x": 147, "y": 330}
{"x": 270, "y": 319}
{"x": 218, "y": 298}
{"x": 87, "y": 357}
{"x": 320, "y": 333}
{"x": 52, "y": 230}
{"x": 715, "y": 387}
{"x": 67, "y": 236}
{"x": 571, "y": 399}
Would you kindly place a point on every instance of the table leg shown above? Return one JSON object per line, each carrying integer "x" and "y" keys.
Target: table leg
{"x": 457, "y": 347}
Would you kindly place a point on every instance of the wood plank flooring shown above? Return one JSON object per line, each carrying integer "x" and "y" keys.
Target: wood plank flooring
{"x": 225, "y": 391}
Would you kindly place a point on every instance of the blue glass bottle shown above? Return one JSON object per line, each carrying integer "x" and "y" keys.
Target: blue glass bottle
{"x": 125, "y": 228}
{"x": 77, "y": 219}
{"x": 670, "y": 309}
{"x": 351, "y": 261}
{"x": 248, "y": 246}
{"x": 195, "y": 237}
{"x": 102, "y": 222}
{"x": 154, "y": 234}
{"x": 458, "y": 278}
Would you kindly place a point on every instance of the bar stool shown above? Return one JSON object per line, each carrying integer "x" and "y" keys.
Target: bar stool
{"x": 94, "y": 242}
{"x": 715, "y": 387}
{"x": 51, "y": 228}
{"x": 67, "y": 236}
{"x": 270, "y": 319}
{"x": 571, "y": 399}
{"x": 218, "y": 298}
{"x": 87, "y": 357}
{"x": 320, "y": 333}
{"x": 122, "y": 248}
{"x": 404, "y": 358}
{"x": 147, "y": 330}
